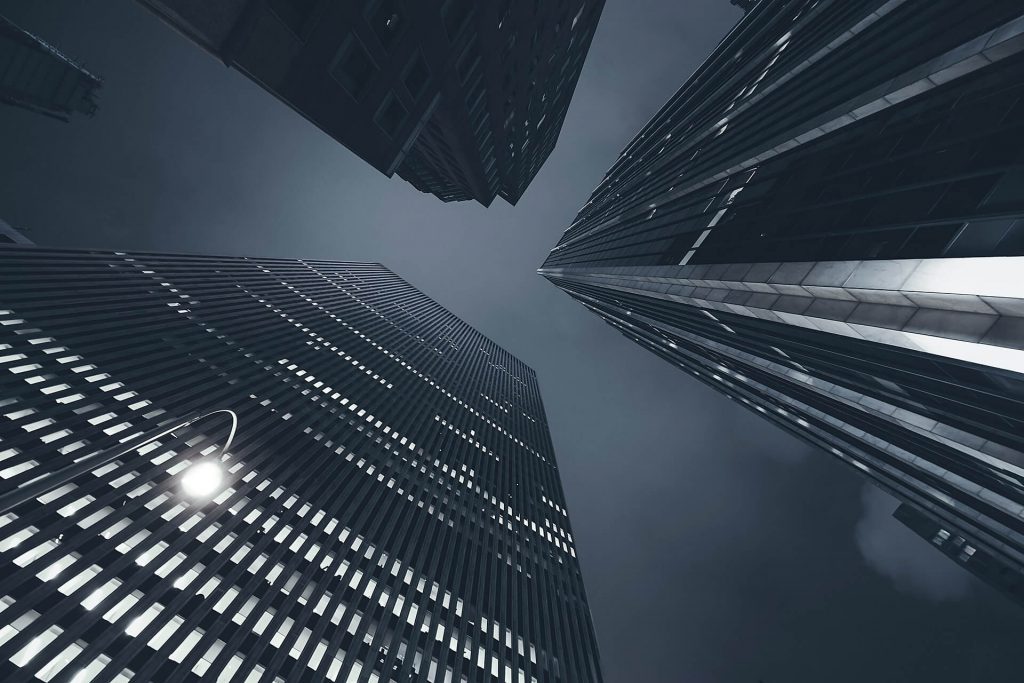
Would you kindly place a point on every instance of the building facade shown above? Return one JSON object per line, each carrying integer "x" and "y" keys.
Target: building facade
{"x": 1009, "y": 580}
{"x": 826, "y": 224}
{"x": 389, "y": 508}
{"x": 37, "y": 77}
{"x": 462, "y": 98}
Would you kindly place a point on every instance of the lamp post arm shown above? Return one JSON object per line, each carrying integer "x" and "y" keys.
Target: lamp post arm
{"x": 48, "y": 482}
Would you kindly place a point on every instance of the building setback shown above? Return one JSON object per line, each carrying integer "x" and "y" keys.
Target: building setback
{"x": 462, "y": 98}
{"x": 389, "y": 510}
{"x": 990, "y": 569}
{"x": 825, "y": 224}
{"x": 37, "y": 77}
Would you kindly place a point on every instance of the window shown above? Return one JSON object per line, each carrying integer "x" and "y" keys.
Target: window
{"x": 455, "y": 14}
{"x": 386, "y": 21}
{"x": 416, "y": 76}
{"x": 353, "y": 68}
{"x": 468, "y": 61}
{"x": 294, "y": 13}
{"x": 391, "y": 115}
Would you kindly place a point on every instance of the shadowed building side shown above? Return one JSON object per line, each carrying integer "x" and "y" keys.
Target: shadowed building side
{"x": 463, "y": 99}
{"x": 826, "y": 224}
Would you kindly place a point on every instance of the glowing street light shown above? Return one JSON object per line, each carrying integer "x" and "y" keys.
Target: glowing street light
{"x": 202, "y": 479}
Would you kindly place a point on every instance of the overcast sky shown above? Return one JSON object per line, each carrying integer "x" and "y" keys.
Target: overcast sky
{"x": 714, "y": 546}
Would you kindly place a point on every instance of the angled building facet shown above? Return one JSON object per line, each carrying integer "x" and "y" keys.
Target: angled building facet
{"x": 991, "y": 569}
{"x": 9, "y": 235}
{"x": 37, "y": 77}
{"x": 388, "y": 509}
{"x": 826, "y": 223}
{"x": 462, "y": 98}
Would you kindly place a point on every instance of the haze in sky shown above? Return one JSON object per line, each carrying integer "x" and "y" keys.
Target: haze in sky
{"x": 714, "y": 546}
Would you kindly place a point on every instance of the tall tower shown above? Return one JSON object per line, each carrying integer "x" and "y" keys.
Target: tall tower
{"x": 37, "y": 77}
{"x": 826, "y": 224}
{"x": 462, "y": 98}
{"x": 389, "y": 508}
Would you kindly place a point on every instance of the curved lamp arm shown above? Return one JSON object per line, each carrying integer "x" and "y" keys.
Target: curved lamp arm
{"x": 49, "y": 482}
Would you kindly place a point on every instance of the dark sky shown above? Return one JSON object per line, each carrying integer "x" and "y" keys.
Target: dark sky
{"x": 714, "y": 546}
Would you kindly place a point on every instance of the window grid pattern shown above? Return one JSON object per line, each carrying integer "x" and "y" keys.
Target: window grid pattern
{"x": 391, "y": 507}
{"x": 826, "y": 224}
{"x": 805, "y": 136}
{"x": 463, "y": 99}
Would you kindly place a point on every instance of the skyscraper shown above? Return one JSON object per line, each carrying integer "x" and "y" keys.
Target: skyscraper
{"x": 826, "y": 224}
{"x": 990, "y": 569}
{"x": 462, "y": 98}
{"x": 389, "y": 508}
{"x": 37, "y": 77}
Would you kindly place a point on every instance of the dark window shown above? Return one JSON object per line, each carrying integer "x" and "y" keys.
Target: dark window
{"x": 455, "y": 14}
{"x": 294, "y": 13}
{"x": 468, "y": 60}
{"x": 4, "y": 239}
{"x": 391, "y": 115}
{"x": 353, "y": 67}
{"x": 416, "y": 76}
{"x": 386, "y": 20}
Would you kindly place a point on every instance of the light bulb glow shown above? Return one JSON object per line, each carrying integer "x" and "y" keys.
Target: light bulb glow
{"x": 202, "y": 479}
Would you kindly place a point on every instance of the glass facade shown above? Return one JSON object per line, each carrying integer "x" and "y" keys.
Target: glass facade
{"x": 464, "y": 99}
{"x": 389, "y": 508}
{"x": 826, "y": 223}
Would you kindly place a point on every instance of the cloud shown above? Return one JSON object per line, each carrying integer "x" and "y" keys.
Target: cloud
{"x": 901, "y": 555}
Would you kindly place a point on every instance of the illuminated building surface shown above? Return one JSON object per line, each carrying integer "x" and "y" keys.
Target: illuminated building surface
{"x": 825, "y": 224}
{"x": 389, "y": 509}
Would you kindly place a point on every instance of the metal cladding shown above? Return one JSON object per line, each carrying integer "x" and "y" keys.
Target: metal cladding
{"x": 37, "y": 77}
{"x": 464, "y": 99}
{"x": 826, "y": 224}
{"x": 389, "y": 508}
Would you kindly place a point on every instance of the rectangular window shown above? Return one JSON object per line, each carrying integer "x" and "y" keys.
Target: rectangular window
{"x": 391, "y": 115}
{"x": 455, "y": 14}
{"x": 294, "y": 13}
{"x": 415, "y": 77}
{"x": 353, "y": 67}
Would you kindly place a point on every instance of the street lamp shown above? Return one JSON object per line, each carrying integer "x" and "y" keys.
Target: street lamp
{"x": 200, "y": 480}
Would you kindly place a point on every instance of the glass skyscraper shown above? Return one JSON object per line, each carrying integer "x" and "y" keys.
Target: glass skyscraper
{"x": 389, "y": 508}
{"x": 462, "y": 98}
{"x": 826, "y": 224}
